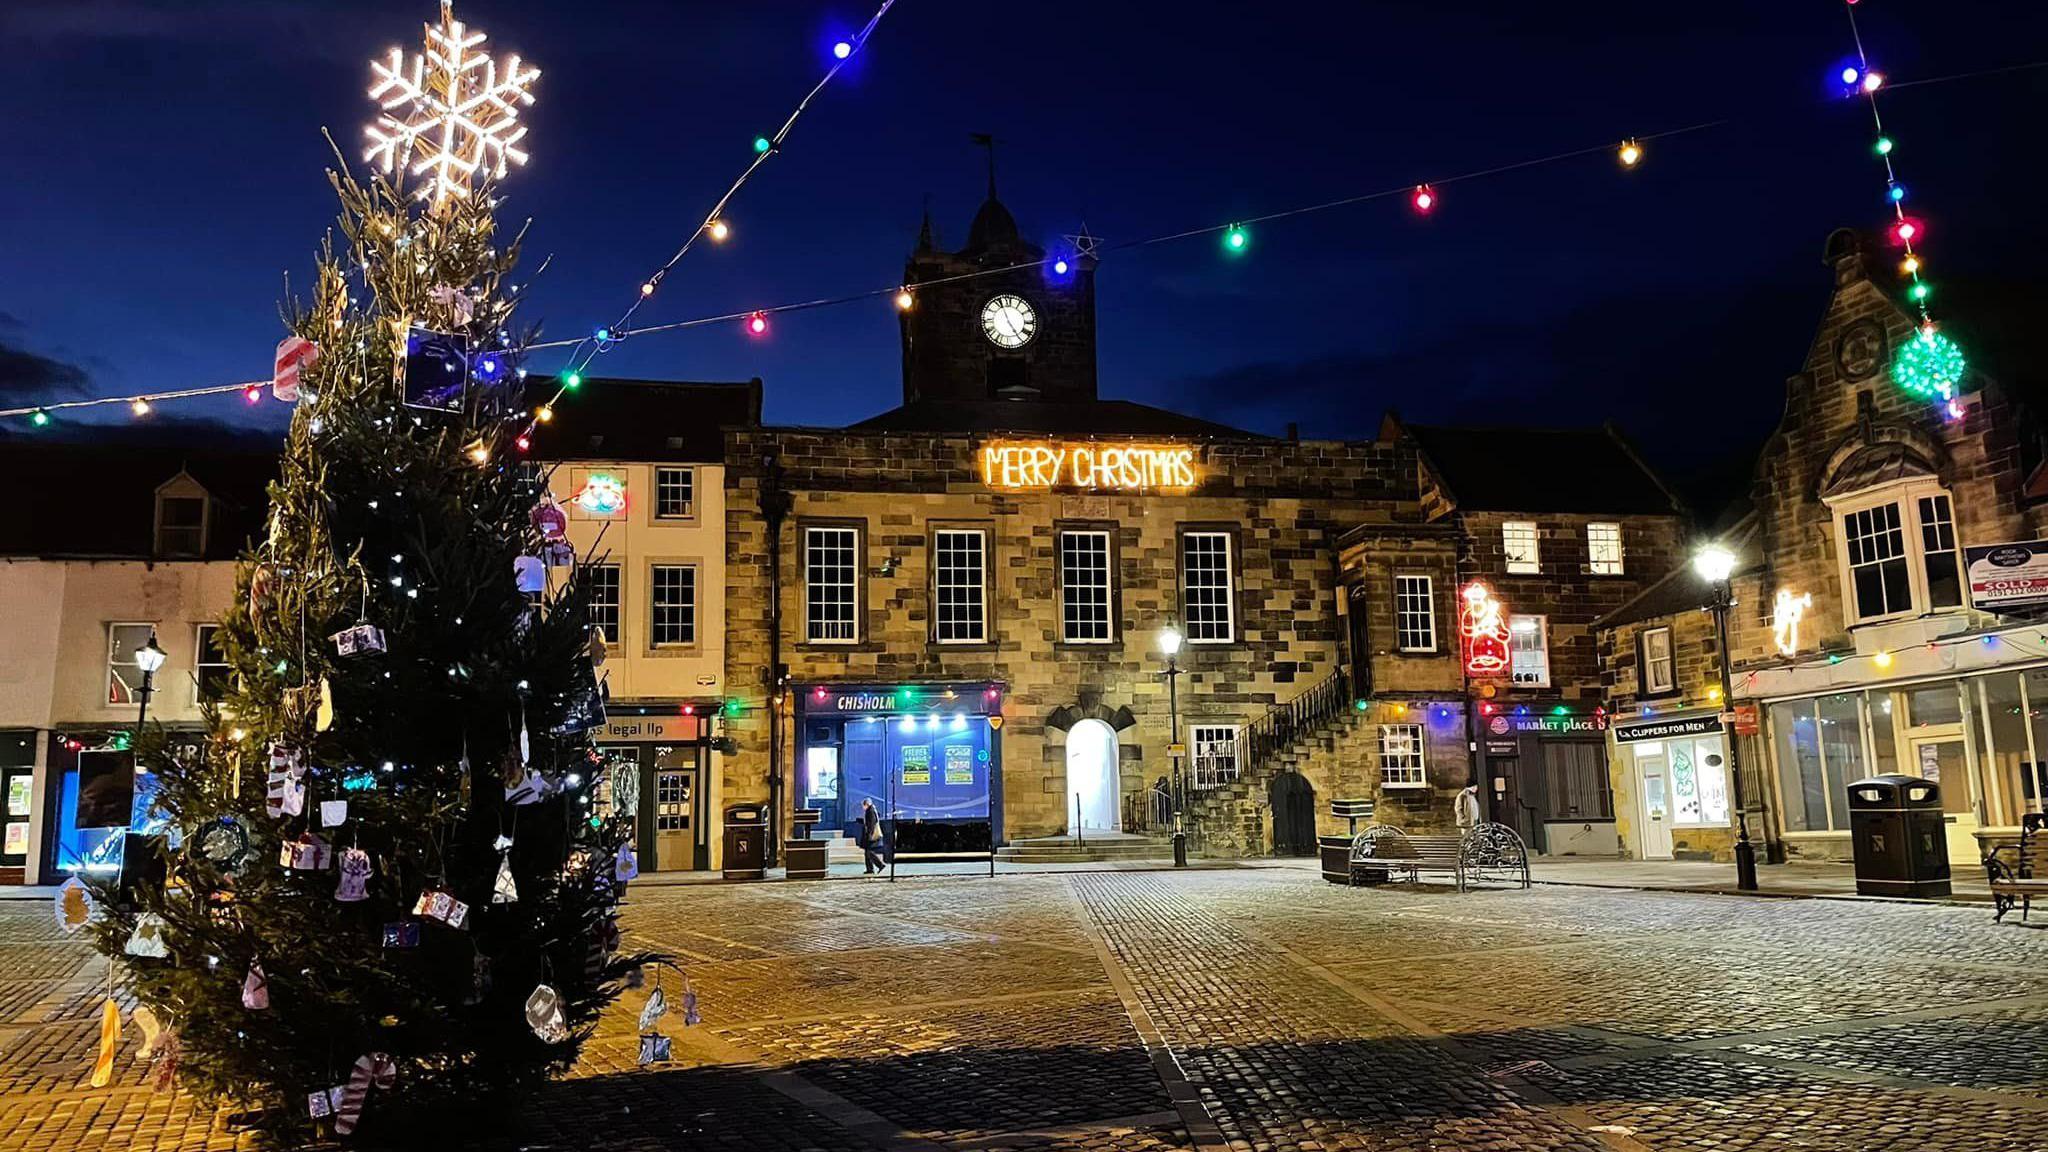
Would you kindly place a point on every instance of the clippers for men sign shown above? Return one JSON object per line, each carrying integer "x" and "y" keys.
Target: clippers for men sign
{"x": 2008, "y": 576}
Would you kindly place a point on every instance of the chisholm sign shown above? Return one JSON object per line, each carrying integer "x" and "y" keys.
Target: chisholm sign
{"x": 1088, "y": 467}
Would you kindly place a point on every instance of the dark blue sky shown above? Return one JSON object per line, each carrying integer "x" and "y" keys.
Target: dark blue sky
{"x": 164, "y": 169}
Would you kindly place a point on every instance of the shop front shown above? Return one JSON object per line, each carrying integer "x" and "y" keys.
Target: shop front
{"x": 1546, "y": 776}
{"x": 1672, "y": 777}
{"x": 925, "y": 752}
{"x": 655, "y": 766}
{"x": 17, "y": 802}
{"x": 97, "y": 796}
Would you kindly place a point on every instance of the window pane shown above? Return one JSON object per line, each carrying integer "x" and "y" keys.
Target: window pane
{"x": 1933, "y": 704}
{"x": 1214, "y": 747}
{"x": 1401, "y": 756}
{"x": 1659, "y": 671}
{"x": 1528, "y": 651}
{"x": 830, "y": 583}
{"x": 1876, "y": 545}
{"x": 124, "y": 679}
{"x": 1878, "y": 707}
{"x": 2034, "y": 777}
{"x": 1205, "y": 584}
{"x": 210, "y": 669}
{"x": 960, "y": 614}
{"x": 1841, "y": 748}
{"x": 1414, "y": 614}
{"x": 674, "y": 489}
{"x": 604, "y": 601}
{"x": 675, "y": 604}
{"x": 1518, "y": 542}
{"x": 1084, "y": 587}
{"x": 1603, "y": 549}
{"x": 1938, "y": 543}
{"x": 1795, "y": 729}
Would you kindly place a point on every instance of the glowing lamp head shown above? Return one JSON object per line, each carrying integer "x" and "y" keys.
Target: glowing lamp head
{"x": 647, "y": 289}
{"x": 1423, "y": 198}
{"x": 1060, "y": 267}
{"x": 1882, "y": 659}
{"x": 1170, "y": 641}
{"x": 1910, "y": 265}
{"x": 719, "y": 230}
{"x": 757, "y": 324}
{"x": 842, "y": 50}
{"x": 1236, "y": 239}
{"x": 1714, "y": 562}
{"x": 150, "y": 656}
{"x": 1897, "y": 192}
{"x": 1919, "y": 293}
{"x": 904, "y": 300}
{"x": 1631, "y": 153}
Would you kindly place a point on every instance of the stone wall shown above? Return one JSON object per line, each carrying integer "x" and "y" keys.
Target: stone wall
{"x": 1283, "y": 503}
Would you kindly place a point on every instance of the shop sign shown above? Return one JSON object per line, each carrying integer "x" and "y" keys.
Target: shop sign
{"x": 866, "y": 702}
{"x": 1745, "y": 720}
{"x": 1545, "y": 723}
{"x": 2006, "y": 576}
{"x": 1667, "y": 729}
{"x": 1042, "y": 466}
{"x": 626, "y": 728}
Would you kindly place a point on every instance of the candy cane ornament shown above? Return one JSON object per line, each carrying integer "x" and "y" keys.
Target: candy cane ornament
{"x": 372, "y": 1070}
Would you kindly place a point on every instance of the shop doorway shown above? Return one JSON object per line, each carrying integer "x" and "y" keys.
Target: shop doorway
{"x": 1944, "y": 760}
{"x": 1654, "y": 786}
{"x": 1293, "y": 802}
{"x": 663, "y": 790}
{"x": 1093, "y": 772}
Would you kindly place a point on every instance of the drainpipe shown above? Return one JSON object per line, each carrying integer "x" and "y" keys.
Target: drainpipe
{"x": 775, "y": 505}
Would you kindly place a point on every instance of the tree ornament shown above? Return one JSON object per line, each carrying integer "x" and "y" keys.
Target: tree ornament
{"x": 295, "y": 354}
{"x": 355, "y": 876}
{"x": 262, "y": 593}
{"x": 654, "y": 1049}
{"x": 532, "y": 788}
{"x": 402, "y": 934}
{"x": 152, "y": 1032}
{"x": 333, "y": 813}
{"x": 308, "y": 853}
{"x": 375, "y": 1070}
{"x": 223, "y": 844}
{"x": 256, "y": 989}
{"x": 148, "y": 937}
{"x": 626, "y": 865}
{"x": 439, "y": 904}
{"x": 529, "y": 574}
{"x": 544, "y": 1015}
{"x": 505, "y": 889}
{"x": 323, "y": 713}
{"x": 110, "y": 1042}
{"x": 1928, "y": 365}
{"x": 655, "y": 1008}
{"x": 286, "y": 789}
{"x": 690, "y": 1016}
{"x": 460, "y": 111}
{"x": 359, "y": 640}
{"x": 548, "y": 519}
{"x": 323, "y": 1102}
{"x": 558, "y": 553}
{"x": 460, "y": 307}
{"x": 74, "y": 905}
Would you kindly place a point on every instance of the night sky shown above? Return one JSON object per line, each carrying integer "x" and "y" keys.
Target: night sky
{"x": 164, "y": 170}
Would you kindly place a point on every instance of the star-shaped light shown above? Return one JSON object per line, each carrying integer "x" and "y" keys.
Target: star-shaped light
{"x": 1084, "y": 243}
{"x": 450, "y": 111}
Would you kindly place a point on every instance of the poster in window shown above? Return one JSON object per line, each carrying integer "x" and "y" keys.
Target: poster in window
{"x": 917, "y": 764}
{"x": 19, "y": 790}
{"x": 959, "y": 764}
{"x": 17, "y": 839}
{"x": 106, "y": 788}
{"x": 1930, "y": 763}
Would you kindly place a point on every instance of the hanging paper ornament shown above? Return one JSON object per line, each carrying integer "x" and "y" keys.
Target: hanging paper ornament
{"x": 256, "y": 989}
{"x": 333, "y": 813}
{"x": 323, "y": 715}
{"x": 261, "y": 591}
{"x": 323, "y": 1102}
{"x": 286, "y": 794}
{"x": 654, "y": 1049}
{"x": 356, "y": 641}
{"x": 148, "y": 937}
{"x": 532, "y": 788}
{"x": 544, "y": 1015}
{"x": 548, "y": 519}
{"x": 690, "y": 1016}
{"x": 439, "y": 904}
{"x": 224, "y": 844}
{"x": 458, "y": 303}
{"x": 529, "y": 574}
{"x": 1929, "y": 365}
{"x": 375, "y": 1070}
{"x": 110, "y": 1042}
{"x": 152, "y": 1032}
{"x": 295, "y": 354}
{"x": 74, "y": 905}
{"x": 558, "y": 553}
{"x": 402, "y": 934}
{"x": 655, "y": 1008}
{"x": 308, "y": 853}
{"x": 355, "y": 876}
{"x": 505, "y": 890}
{"x": 626, "y": 865}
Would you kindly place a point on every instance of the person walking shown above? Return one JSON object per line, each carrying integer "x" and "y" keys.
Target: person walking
{"x": 871, "y": 837}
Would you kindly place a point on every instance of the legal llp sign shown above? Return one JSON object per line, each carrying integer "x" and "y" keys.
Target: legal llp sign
{"x": 2008, "y": 576}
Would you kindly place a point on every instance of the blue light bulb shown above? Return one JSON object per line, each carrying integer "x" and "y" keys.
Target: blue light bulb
{"x": 1898, "y": 193}
{"x": 842, "y": 50}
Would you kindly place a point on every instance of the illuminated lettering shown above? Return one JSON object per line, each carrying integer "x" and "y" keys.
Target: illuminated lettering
{"x": 1785, "y": 615}
{"x": 1089, "y": 467}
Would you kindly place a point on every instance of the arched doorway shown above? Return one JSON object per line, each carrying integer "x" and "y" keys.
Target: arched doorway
{"x": 1293, "y": 803}
{"x": 1092, "y": 774}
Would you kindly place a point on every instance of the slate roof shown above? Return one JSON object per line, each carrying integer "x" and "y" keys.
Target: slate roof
{"x": 1570, "y": 470}
{"x": 1062, "y": 418}
{"x": 98, "y": 501}
{"x": 1681, "y": 589}
{"x": 1877, "y": 464}
{"x": 656, "y": 421}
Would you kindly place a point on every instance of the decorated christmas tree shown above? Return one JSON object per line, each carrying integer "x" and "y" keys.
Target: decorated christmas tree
{"x": 382, "y": 885}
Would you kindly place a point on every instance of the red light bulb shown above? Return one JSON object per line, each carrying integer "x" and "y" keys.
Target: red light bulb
{"x": 523, "y": 443}
{"x": 1906, "y": 230}
{"x": 757, "y": 323}
{"x": 252, "y": 393}
{"x": 1424, "y": 198}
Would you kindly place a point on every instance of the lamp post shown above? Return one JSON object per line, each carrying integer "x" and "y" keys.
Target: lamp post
{"x": 1169, "y": 645}
{"x": 149, "y": 658}
{"x": 1715, "y": 564}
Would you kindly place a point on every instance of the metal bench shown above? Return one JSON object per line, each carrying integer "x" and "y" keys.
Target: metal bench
{"x": 2019, "y": 872}
{"x": 1486, "y": 852}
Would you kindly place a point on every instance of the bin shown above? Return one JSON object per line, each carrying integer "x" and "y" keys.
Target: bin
{"x": 1901, "y": 843}
{"x": 746, "y": 842}
{"x": 802, "y": 857}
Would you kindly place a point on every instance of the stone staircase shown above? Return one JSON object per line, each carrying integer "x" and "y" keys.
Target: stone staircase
{"x": 1314, "y": 731}
{"x": 1094, "y": 847}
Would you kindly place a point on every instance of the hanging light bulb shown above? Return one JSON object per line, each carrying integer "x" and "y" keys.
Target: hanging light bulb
{"x": 1882, "y": 659}
{"x": 1884, "y": 145}
{"x": 480, "y": 453}
{"x": 572, "y": 379}
{"x": 904, "y": 300}
{"x": 1631, "y": 153}
{"x": 39, "y": 418}
{"x": 1897, "y": 192}
{"x": 762, "y": 144}
{"x": 719, "y": 230}
{"x": 1905, "y": 231}
{"x": 1236, "y": 239}
{"x": 1910, "y": 265}
{"x": 1918, "y": 292}
{"x": 647, "y": 289}
{"x": 758, "y": 323}
{"x": 1872, "y": 81}
{"x": 842, "y": 50}
{"x": 139, "y": 406}
{"x": 252, "y": 393}
{"x": 1424, "y": 198}
{"x": 1850, "y": 75}
{"x": 544, "y": 413}
{"x": 523, "y": 442}
{"x": 1060, "y": 266}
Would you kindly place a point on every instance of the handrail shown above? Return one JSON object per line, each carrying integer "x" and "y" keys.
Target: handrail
{"x": 1283, "y": 724}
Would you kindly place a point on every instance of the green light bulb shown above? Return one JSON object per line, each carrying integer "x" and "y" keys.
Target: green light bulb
{"x": 1884, "y": 145}
{"x": 1919, "y": 292}
{"x": 39, "y": 418}
{"x": 1236, "y": 239}
{"x": 572, "y": 380}
{"x": 762, "y": 144}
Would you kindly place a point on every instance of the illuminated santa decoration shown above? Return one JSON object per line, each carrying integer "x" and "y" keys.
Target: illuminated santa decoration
{"x": 1484, "y": 627}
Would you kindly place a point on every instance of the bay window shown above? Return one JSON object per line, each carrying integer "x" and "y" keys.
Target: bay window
{"x": 1899, "y": 552}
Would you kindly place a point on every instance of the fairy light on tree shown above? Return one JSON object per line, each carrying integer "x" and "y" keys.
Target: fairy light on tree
{"x": 449, "y": 111}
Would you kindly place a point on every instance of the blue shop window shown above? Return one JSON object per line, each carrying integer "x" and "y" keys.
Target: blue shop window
{"x": 920, "y": 767}
{"x": 96, "y": 804}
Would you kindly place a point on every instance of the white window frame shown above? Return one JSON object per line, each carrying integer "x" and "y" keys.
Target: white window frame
{"x": 1605, "y": 553}
{"x": 1208, "y": 744}
{"x": 813, "y": 533}
{"x": 1904, "y": 496}
{"x": 1403, "y": 768}
{"x": 976, "y": 592}
{"x": 205, "y": 525}
{"x": 686, "y": 479}
{"x": 1229, "y": 600}
{"x": 1646, "y": 653}
{"x": 615, "y": 604}
{"x": 1542, "y": 633}
{"x": 1411, "y": 620}
{"x": 1521, "y": 546}
{"x": 1073, "y": 611}
{"x": 200, "y": 663}
{"x": 655, "y": 607}
{"x": 128, "y": 664}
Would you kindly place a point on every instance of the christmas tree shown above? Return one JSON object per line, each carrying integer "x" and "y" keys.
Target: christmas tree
{"x": 381, "y": 873}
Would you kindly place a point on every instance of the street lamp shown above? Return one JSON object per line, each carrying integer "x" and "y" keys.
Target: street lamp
{"x": 1169, "y": 645}
{"x": 149, "y": 658}
{"x": 1715, "y": 564}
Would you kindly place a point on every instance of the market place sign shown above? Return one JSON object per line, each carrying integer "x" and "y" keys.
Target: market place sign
{"x": 1044, "y": 466}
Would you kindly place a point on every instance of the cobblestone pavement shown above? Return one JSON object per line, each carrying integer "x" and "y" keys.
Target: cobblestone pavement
{"x": 1219, "y": 1011}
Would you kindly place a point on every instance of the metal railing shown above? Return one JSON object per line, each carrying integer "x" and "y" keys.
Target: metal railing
{"x": 1283, "y": 724}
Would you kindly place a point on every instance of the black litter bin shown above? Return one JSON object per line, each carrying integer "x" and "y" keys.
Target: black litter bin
{"x": 1901, "y": 844}
{"x": 746, "y": 842}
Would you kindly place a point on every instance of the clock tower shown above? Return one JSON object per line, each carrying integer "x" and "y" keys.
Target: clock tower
{"x": 996, "y": 320}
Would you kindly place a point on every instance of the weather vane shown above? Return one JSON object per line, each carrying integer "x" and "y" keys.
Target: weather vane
{"x": 449, "y": 111}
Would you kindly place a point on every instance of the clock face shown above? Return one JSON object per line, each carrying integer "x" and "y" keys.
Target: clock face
{"x": 1008, "y": 321}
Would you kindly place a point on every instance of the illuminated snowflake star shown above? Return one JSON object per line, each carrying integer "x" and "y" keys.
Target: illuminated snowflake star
{"x": 450, "y": 111}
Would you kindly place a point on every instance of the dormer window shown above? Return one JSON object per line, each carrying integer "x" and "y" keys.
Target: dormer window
{"x": 1898, "y": 547}
{"x": 182, "y": 518}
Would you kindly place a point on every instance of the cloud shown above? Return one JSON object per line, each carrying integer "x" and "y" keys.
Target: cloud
{"x": 26, "y": 376}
